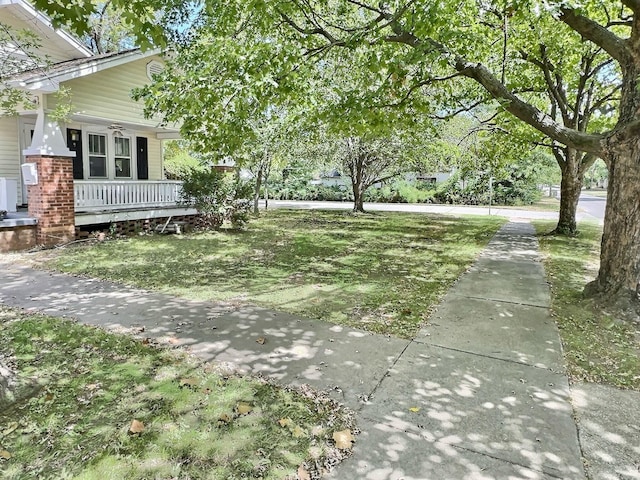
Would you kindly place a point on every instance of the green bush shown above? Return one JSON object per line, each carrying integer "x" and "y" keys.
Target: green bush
{"x": 218, "y": 197}
{"x": 299, "y": 189}
{"x": 180, "y": 165}
{"x": 475, "y": 191}
{"x": 400, "y": 191}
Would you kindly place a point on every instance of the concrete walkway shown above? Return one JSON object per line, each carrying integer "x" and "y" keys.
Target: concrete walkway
{"x": 481, "y": 392}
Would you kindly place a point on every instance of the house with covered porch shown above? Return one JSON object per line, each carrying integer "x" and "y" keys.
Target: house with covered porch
{"x": 102, "y": 164}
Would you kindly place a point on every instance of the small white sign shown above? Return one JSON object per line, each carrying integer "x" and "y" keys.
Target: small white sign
{"x": 30, "y": 173}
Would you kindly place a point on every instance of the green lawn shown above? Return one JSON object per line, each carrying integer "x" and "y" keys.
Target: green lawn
{"x": 382, "y": 272}
{"x": 77, "y": 390}
{"x": 596, "y": 193}
{"x": 545, "y": 204}
{"x": 598, "y": 346}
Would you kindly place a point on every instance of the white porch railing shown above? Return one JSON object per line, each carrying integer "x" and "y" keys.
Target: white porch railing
{"x": 96, "y": 195}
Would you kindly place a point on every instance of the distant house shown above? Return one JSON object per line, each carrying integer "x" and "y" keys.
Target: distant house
{"x": 331, "y": 179}
{"x": 335, "y": 178}
{"x": 432, "y": 178}
{"x": 115, "y": 153}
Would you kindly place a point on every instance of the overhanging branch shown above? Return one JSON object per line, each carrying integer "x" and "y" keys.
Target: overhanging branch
{"x": 596, "y": 33}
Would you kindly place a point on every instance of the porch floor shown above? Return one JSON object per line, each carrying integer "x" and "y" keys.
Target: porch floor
{"x": 17, "y": 219}
{"x": 130, "y": 213}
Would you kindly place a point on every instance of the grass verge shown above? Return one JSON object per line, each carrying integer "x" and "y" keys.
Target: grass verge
{"x": 598, "y": 347}
{"x": 69, "y": 409}
{"x": 382, "y": 272}
{"x": 545, "y": 204}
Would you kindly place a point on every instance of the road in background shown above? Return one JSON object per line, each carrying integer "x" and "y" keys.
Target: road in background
{"x": 433, "y": 208}
{"x": 593, "y": 206}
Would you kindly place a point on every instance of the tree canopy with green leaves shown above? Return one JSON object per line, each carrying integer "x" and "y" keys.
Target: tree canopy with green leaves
{"x": 428, "y": 55}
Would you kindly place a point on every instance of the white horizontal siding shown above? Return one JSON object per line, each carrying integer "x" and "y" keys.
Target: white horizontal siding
{"x": 10, "y": 151}
{"x": 155, "y": 158}
{"x": 107, "y": 94}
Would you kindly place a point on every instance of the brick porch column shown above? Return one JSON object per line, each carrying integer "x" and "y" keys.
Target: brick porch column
{"x": 51, "y": 200}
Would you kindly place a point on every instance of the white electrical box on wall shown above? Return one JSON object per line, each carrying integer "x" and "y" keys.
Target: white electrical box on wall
{"x": 30, "y": 173}
{"x": 8, "y": 194}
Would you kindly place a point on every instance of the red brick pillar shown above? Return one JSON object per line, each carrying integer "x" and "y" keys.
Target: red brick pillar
{"x": 51, "y": 199}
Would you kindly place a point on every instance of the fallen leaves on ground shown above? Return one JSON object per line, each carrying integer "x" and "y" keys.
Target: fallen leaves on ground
{"x": 188, "y": 382}
{"x": 136, "y": 426}
{"x": 343, "y": 439}
{"x": 224, "y": 419}
{"x": 285, "y": 422}
{"x": 298, "y": 432}
{"x": 10, "y": 429}
{"x": 303, "y": 473}
{"x": 243, "y": 408}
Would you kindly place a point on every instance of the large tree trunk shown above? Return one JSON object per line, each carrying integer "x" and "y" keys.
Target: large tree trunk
{"x": 619, "y": 275}
{"x": 618, "y": 279}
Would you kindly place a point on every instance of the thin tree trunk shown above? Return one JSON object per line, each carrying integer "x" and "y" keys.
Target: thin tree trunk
{"x": 266, "y": 193}
{"x": 358, "y": 198}
{"x": 256, "y": 192}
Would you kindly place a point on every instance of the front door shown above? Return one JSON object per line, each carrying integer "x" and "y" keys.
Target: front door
{"x": 74, "y": 143}
{"x": 142, "y": 156}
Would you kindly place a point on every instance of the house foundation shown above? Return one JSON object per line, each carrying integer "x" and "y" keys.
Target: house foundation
{"x": 135, "y": 227}
{"x": 17, "y": 237}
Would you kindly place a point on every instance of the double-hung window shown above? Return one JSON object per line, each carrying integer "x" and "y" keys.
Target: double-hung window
{"x": 97, "y": 155}
{"x": 122, "y": 156}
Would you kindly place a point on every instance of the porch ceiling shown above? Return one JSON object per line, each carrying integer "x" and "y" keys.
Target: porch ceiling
{"x": 147, "y": 127}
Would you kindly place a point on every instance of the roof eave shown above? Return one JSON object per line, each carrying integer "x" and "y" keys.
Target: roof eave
{"x": 73, "y": 42}
{"x": 49, "y": 82}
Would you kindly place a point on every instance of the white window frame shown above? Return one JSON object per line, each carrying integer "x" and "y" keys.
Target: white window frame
{"x": 106, "y": 155}
{"x": 110, "y": 154}
{"x": 130, "y": 157}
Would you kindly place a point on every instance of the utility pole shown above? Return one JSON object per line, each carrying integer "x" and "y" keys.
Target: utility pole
{"x": 490, "y": 193}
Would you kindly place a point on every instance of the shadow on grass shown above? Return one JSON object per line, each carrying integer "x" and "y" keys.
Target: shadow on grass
{"x": 599, "y": 346}
{"x": 382, "y": 273}
{"x": 198, "y": 422}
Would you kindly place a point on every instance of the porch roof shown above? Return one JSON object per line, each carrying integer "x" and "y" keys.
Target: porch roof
{"x": 48, "y": 79}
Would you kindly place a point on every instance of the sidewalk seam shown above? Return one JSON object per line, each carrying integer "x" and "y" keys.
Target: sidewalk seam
{"x": 386, "y": 373}
{"x": 505, "y": 301}
{"x": 490, "y": 357}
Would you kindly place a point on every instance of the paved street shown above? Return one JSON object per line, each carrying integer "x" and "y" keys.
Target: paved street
{"x": 592, "y": 206}
{"x": 510, "y": 213}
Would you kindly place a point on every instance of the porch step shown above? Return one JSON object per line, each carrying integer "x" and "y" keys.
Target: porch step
{"x": 172, "y": 227}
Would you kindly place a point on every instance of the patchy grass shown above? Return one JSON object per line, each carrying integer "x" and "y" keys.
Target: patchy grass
{"x": 76, "y": 391}
{"x": 545, "y": 204}
{"x": 596, "y": 193}
{"x": 381, "y": 272}
{"x": 598, "y": 347}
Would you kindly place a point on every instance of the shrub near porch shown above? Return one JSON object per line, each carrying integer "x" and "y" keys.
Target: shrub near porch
{"x": 381, "y": 272}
